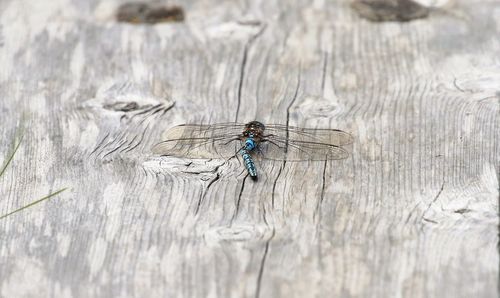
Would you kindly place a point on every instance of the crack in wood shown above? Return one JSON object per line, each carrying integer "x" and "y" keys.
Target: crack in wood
{"x": 274, "y": 185}
{"x": 100, "y": 144}
{"x": 122, "y": 138}
{"x": 115, "y": 149}
{"x": 262, "y": 264}
{"x": 240, "y": 83}
{"x": 237, "y": 209}
{"x": 248, "y": 44}
{"x": 323, "y": 78}
{"x": 202, "y": 197}
{"x": 411, "y": 212}
{"x": 146, "y": 110}
{"x": 290, "y": 106}
{"x": 322, "y": 195}
{"x": 431, "y": 203}
{"x": 458, "y": 87}
{"x": 140, "y": 140}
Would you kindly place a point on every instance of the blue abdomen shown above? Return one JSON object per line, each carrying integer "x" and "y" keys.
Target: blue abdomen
{"x": 249, "y": 164}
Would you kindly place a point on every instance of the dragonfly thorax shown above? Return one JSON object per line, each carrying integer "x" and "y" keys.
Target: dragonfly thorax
{"x": 254, "y": 130}
{"x": 250, "y": 144}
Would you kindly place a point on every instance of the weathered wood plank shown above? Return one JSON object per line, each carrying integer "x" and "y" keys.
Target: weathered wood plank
{"x": 412, "y": 213}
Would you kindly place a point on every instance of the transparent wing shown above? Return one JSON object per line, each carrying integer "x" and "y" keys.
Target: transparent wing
{"x": 298, "y": 144}
{"x": 293, "y": 151}
{"x": 326, "y": 136}
{"x": 201, "y": 141}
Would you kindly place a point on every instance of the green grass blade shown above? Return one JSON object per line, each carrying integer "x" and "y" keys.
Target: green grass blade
{"x": 34, "y": 203}
{"x": 11, "y": 157}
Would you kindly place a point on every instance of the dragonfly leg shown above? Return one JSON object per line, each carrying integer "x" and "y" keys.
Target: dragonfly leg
{"x": 233, "y": 156}
{"x": 266, "y": 136}
{"x": 231, "y": 140}
{"x": 235, "y": 153}
{"x": 267, "y": 140}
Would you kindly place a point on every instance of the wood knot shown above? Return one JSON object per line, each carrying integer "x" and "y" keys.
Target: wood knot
{"x": 238, "y": 233}
{"x": 121, "y": 106}
{"x": 145, "y": 13}
{"x": 390, "y": 10}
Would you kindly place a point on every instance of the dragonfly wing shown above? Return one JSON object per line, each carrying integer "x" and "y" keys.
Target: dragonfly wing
{"x": 327, "y": 136}
{"x": 203, "y": 131}
{"x": 222, "y": 148}
{"x": 201, "y": 141}
{"x": 280, "y": 149}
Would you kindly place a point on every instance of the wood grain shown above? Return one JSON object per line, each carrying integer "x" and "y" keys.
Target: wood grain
{"x": 413, "y": 212}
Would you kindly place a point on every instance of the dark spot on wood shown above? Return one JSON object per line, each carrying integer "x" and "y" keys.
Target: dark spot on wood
{"x": 430, "y": 220}
{"x": 390, "y": 10}
{"x": 463, "y": 210}
{"x": 122, "y": 106}
{"x": 145, "y": 13}
{"x": 254, "y": 23}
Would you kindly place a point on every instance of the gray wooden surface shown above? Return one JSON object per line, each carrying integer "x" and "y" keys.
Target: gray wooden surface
{"x": 412, "y": 213}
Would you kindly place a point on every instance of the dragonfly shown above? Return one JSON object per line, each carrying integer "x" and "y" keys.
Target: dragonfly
{"x": 253, "y": 141}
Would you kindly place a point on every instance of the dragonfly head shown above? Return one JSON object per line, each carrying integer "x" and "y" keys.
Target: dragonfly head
{"x": 254, "y": 129}
{"x": 255, "y": 125}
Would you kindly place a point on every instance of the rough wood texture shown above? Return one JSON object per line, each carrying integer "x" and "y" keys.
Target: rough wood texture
{"x": 412, "y": 213}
